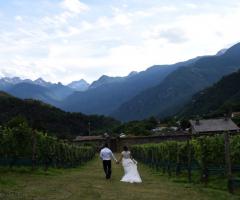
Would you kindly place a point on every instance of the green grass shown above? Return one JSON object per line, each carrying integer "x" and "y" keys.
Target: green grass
{"x": 87, "y": 182}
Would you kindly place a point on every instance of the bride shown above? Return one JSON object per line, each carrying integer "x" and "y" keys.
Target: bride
{"x": 131, "y": 174}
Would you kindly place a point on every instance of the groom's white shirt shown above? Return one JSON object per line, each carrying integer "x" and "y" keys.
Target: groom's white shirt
{"x": 107, "y": 154}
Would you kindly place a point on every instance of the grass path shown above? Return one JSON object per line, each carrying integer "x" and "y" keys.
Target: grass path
{"x": 87, "y": 182}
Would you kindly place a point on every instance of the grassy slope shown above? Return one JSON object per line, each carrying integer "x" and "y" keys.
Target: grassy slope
{"x": 88, "y": 183}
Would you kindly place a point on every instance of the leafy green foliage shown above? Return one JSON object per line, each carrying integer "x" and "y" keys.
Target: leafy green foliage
{"x": 206, "y": 153}
{"x": 235, "y": 150}
{"x": 163, "y": 154}
{"x": 19, "y": 142}
{"x": 209, "y": 151}
{"x": 143, "y": 127}
{"x": 237, "y": 120}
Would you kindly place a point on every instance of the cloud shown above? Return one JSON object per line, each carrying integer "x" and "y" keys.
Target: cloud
{"x": 74, "y": 6}
{"x": 71, "y": 10}
{"x": 72, "y": 40}
{"x": 19, "y": 18}
{"x": 57, "y": 20}
{"x": 173, "y": 35}
{"x": 122, "y": 19}
{"x": 169, "y": 33}
{"x": 191, "y": 5}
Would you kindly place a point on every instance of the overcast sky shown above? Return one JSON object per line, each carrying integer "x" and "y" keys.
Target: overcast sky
{"x": 65, "y": 40}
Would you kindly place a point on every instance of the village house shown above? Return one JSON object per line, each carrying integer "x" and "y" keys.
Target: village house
{"x": 213, "y": 126}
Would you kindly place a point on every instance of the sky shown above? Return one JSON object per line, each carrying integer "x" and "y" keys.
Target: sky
{"x": 66, "y": 40}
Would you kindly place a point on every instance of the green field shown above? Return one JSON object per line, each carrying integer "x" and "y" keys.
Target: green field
{"x": 88, "y": 182}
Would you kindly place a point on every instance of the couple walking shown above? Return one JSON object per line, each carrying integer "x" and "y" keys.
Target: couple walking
{"x": 131, "y": 174}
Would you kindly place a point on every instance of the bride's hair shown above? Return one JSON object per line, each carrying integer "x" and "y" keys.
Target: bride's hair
{"x": 125, "y": 148}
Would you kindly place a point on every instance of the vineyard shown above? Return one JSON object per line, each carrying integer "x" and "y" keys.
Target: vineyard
{"x": 205, "y": 155}
{"x": 21, "y": 145}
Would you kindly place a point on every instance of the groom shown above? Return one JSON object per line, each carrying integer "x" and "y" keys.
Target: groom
{"x": 106, "y": 156}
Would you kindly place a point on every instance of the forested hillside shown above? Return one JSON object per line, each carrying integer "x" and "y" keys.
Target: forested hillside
{"x": 45, "y": 117}
{"x": 221, "y": 98}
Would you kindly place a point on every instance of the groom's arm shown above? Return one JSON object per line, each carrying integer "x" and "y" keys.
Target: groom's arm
{"x": 114, "y": 158}
{"x": 101, "y": 155}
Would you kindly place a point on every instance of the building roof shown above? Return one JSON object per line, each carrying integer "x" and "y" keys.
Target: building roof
{"x": 235, "y": 114}
{"x": 88, "y": 138}
{"x": 213, "y": 125}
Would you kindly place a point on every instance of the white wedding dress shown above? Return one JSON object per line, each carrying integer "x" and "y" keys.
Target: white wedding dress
{"x": 131, "y": 174}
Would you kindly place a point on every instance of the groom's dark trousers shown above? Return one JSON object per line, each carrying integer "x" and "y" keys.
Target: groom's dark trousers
{"x": 107, "y": 166}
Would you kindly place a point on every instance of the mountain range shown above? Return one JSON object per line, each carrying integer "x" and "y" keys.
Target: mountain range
{"x": 107, "y": 94}
{"x": 52, "y": 93}
{"x": 168, "y": 97}
{"x": 160, "y": 91}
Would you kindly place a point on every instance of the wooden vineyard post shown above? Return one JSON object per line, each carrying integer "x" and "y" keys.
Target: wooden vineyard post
{"x": 152, "y": 160}
{"x": 178, "y": 161}
{"x": 33, "y": 149}
{"x": 189, "y": 161}
{"x": 47, "y": 156}
{"x": 228, "y": 162}
{"x": 169, "y": 165}
{"x": 205, "y": 173}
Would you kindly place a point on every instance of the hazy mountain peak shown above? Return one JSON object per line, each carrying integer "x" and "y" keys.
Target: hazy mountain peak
{"x": 132, "y": 73}
{"x": 41, "y": 82}
{"x": 104, "y": 79}
{"x": 80, "y": 85}
{"x": 82, "y": 80}
{"x": 12, "y": 80}
{"x": 39, "y": 79}
{"x": 221, "y": 52}
{"x": 60, "y": 83}
{"x": 233, "y": 50}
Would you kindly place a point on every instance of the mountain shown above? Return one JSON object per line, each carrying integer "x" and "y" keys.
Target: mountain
{"x": 52, "y": 94}
{"x": 6, "y": 82}
{"x": 31, "y": 91}
{"x": 177, "y": 88}
{"x": 107, "y": 93}
{"x": 38, "y": 89}
{"x": 105, "y": 80}
{"x": 133, "y": 73}
{"x": 221, "y": 52}
{"x": 47, "y": 118}
{"x": 42, "y": 82}
{"x": 217, "y": 99}
{"x": 80, "y": 85}
{"x": 60, "y": 91}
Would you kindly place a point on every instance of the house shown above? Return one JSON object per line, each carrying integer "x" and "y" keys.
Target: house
{"x": 213, "y": 126}
{"x": 122, "y": 135}
{"x": 235, "y": 114}
{"x": 158, "y": 129}
{"x": 88, "y": 138}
